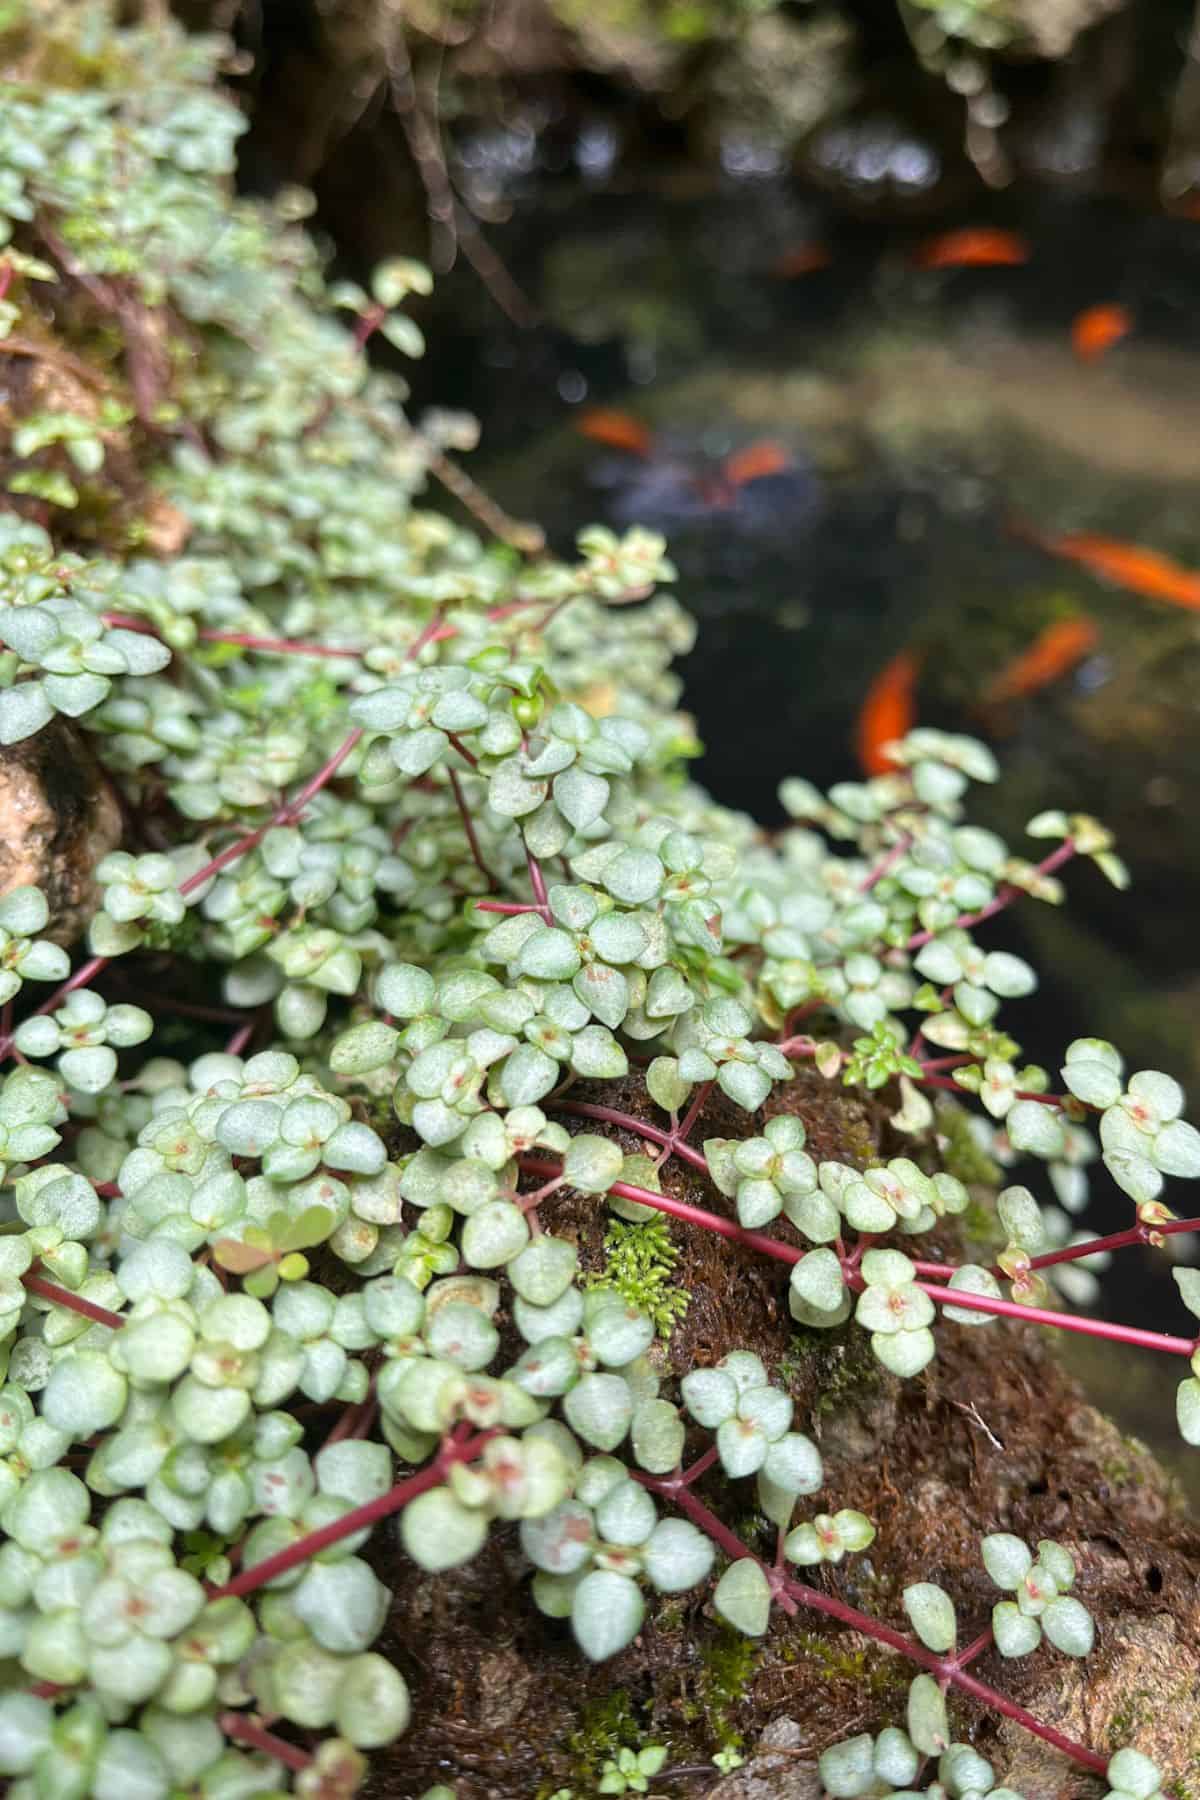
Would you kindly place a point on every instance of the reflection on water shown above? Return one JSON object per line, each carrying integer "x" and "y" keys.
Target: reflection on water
{"x": 926, "y": 414}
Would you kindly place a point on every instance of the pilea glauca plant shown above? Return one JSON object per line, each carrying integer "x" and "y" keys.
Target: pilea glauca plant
{"x": 411, "y": 801}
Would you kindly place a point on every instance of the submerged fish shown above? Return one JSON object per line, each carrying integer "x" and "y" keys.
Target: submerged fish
{"x": 803, "y": 259}
{"x": 1146, "y": 572}
{"x": 1053, "y": 653}
{"x": 1098, "y": 328}
{"x": 619, "y": 430}
{"x": 888, "y": 711}
{"x": 975, "y": 247}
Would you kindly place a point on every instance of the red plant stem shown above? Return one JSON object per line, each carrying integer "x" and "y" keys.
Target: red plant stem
{"x": 245, "y": 640}
{"x": 506, "y": 906}
{"x": 768, "y": 1246}
{"x": 948, "y": 1669}
{"x": 61, "y": 1296}
{"x": 681, "y": 1209}
{"x": 609, "y": 1115}
{"x": 244, "y": 1730}
{"x": 1005, "y": 897}
{"x": 398, "y": 1497}
{"x": 886, "y": 863}
{"x": 982, "y": 1643}
{"x": 467, "y": 755}
{"x": 434, "y": 629}
{"x": 1036, "y": 1315}
{"x": 538, "y": 883}
{"x": 240, "y": 1038}
{"x": 468, "y": 826}
{"x": 693, "y": 1112}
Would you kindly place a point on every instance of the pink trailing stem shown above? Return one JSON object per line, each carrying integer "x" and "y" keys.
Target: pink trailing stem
{"x": 1036, "y": 1315}
{"x": 949, "y": 1670}
{"x": 1117, "y": 1240}
{"x": 468, "y": 825}
{"x": 692, "y": 1114}
{"x": 241, "y": 1728}
{"x": 61, "y": 1296}
{"x": 508, "y": 907}
{"x": 1006, "y": 896}
{"x": 453, "y": 1450}
{"x": 609, "y": 1115}
{"x": 682, "y": 1209}
{"x": 886, "y": 863}
{"x": 244, "y": 640}
{"x": 538, "y": 883}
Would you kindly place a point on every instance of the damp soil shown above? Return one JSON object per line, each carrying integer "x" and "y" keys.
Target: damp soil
{"x": 995, "y": 1435}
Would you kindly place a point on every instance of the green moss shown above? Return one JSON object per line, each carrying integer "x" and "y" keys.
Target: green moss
{"x": 727, "y": 1670}
{"x": 641, "y": 1258}
{"x": 606, "y": 1726}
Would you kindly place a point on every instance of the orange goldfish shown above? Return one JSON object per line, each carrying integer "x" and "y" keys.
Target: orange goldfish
{"x": 977, "y": 247}
{"x": 1098, "y": 328}
{"x": 754, "y": 461}
{"x": 1052, "y": 654}
{"x": 804, "y": 259}
{"x": 1146, "y": 572}
{"x": 619, "y": 430}
{"x": 888, "y": 711}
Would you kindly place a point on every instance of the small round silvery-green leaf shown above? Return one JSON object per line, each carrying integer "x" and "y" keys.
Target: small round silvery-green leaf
{"x": 1021, "y": 1217}
{"x": 463, "y": 1335}
{"x": 1187, "y": 1410}
{"x": 527, "y": 1075}
{"x": 129, "y": 1768}
{"x": 1129, "y": 1772}
{"x": 606, "y": 1613}
{"x": 848, "y": 1769}
{"x": 544, "y": 1270}
{"x": 928, "y": 1726}
{"x": 562, "y": 1319}
{"x": 599, "y": 1409}
{"x": 1094, "y": 1082}
{"x": 580, "y": 797}
{"x": 657, "y": 1435}
{"x": 494, "y": 1235}
{"x": 742, "y": 1446}
{"x": 932, "y": 1613}
{"x": 1006, "y": 1558}
{"x": 1035, "y": 1129}
{"x": 677, "y": 1556}
{"x": 592, "y": 1163}
{"x": 1007, "y": 975}
{"x": 343, "y": 1603}
{"x": 818, "y": 1281}
{"x": 665, "y": 1085}
{"x": 25, "y": 1726}
{"x": 1177, "y": 1150}
{"x": 1134, "y": 1174}
{"x": 743, "y": 1597}
{"x": 1069, "y": 1627}
{"x": 626, "y": 1515}
{"x": 896, "y": 1761}
{"x": 767, "y": 1407}
{"x": 634, "y": 876}
{"x": 438, "y": 1532}
{"x": 745, "y": 1083}
{"x": 905, "y": 1353}
{"x": 560, "y": 1542}
{"x": 1015, "y": 1633}
{"x": 618, "y": 1334}
{"x": 972, "y": 1278}
{"x": 371, "y": 1704}
{"x": 547, "y": 1368}
{"x": 85, "y": 1394}
{"x": 962, "y": 1770}
{"x": 793, "y": 1464}
{"x": 710, "y": 1395}
{"x": 90, "y": 1070}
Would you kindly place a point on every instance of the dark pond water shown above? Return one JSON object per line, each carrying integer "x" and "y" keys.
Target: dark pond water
{"x": 925, "y": 415}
